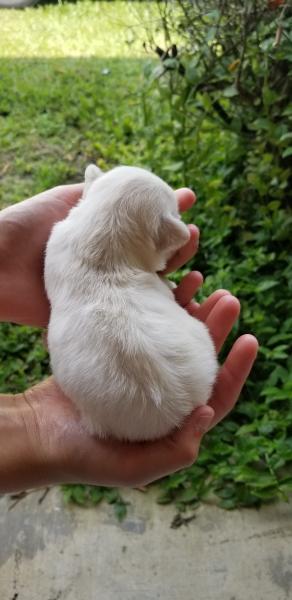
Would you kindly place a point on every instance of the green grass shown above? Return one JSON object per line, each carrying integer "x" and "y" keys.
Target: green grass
{"x": 59, "y": 114}
{"x": 69, "y": 92}
{"x": 85, "y": 29}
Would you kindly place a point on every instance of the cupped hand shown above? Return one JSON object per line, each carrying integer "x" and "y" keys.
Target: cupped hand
{"x": 24, "y": 232}
{"x": 75, "y": 456}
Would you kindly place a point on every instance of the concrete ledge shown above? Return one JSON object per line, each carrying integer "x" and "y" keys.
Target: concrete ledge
{"x": 52, "y": 552}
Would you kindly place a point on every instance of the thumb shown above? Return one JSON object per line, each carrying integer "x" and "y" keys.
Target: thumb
{"x": 199, "y": 422}
{"x": 157, "y": 459}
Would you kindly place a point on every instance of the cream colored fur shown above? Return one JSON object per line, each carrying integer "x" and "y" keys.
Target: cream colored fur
{"x": 133, "y": 361}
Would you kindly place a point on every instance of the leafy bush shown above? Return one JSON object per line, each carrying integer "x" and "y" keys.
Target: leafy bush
{"x": 88, "y": 495}
{"x": 224, "y": 85}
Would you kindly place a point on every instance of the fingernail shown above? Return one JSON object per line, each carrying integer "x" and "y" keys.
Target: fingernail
{"x": 203, "y": 423}
{"x": 195, "y": 229}
{"x": 198, "y": 274}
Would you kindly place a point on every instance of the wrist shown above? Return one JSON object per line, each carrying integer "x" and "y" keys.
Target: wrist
{"x": 48, "y": 418}
{"x": 24, "y": 463}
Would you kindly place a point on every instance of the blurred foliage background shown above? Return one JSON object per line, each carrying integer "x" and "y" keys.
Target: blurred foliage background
{"x": 199, "y": 92}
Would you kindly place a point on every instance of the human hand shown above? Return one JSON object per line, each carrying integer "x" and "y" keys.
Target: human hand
{"x": 66, "y": 453}
{"x": 24, "y": 232}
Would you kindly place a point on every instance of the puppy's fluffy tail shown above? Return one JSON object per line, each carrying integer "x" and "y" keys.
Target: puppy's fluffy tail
{"x": 92, "y": 172}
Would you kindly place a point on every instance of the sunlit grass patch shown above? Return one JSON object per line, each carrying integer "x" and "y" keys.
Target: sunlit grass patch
{"x": 104, "y": 29}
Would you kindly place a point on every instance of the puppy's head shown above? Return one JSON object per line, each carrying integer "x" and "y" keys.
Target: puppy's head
{"x": 140, "y": 213}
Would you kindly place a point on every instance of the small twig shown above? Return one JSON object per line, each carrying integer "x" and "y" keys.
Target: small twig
{"x": 44, "y": 495}
{"x": 179, "y": 520}
{"x": 16, "y": 498}
{"x": 280, "y": 28}
{"x": 243, "y": 49}
{"x": 4, "y": 169}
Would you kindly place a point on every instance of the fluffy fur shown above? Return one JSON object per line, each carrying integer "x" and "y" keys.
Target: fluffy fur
{"x": 133, "y": 361}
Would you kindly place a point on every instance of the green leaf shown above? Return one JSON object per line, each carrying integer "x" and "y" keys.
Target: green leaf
{"x": 188, "y": 495}
{"x": 266, "y": 428}
{"x": 171, "y": 63}
{"x": 228, "y": 503}
{"x": 287, "y": 152}
{"x": 230, "y": 91}
{"x": 176, "y": 167}
{"x": 266, "y": 494}
{"x": 120, "y": 510}
{"x": 212, "y": 15}
{"x": 228, "y": 491}
{"x": 265, "y": 285}
{"x": 111, "y": 495}
{"x": 79, "y": 494}
{"x": 286, "y": 484}
{"x": 286, "y": 136}
{"x": 164, "y": 498}
{"x": 96, "y": 495}
{"x": 191, "y": 73}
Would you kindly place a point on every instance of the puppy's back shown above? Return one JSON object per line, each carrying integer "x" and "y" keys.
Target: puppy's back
{"x": 131, "y": 351}
{"x": 132, "y": 360}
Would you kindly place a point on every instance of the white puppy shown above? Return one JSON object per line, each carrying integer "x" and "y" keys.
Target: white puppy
{"x": 133, "y": 361}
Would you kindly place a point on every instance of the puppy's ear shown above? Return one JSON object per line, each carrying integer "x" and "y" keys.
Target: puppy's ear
{"x": 92, "y": 172}
{"x": 173, "y": 234}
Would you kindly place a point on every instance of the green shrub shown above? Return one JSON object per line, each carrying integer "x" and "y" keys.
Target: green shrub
{"x": 224, "y": 86}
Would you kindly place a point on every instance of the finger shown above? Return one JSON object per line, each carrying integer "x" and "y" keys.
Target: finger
{"x": 207, "y": 306}
{"x": 192, "y": 308}
{"x": 188, "y": 287}
{"x": 197, "y": 423}
{"x": 232, "y": 376}
{"x": 186, "y": 253}
{"x": 222, "y": 318}
{"x": 153, "y": 460}
{"x": 186, "y": 198}
{"x": 70, "y": 194}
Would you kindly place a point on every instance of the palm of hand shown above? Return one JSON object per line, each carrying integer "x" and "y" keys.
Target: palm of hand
{"x": 83, "y": 458}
